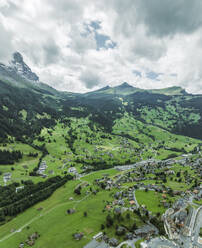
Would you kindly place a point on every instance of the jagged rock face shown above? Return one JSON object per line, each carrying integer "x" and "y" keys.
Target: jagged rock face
{"x": 18, "y": 65}
{"x": 17, "y": 58}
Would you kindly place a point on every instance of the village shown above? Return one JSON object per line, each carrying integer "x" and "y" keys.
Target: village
{"x": 177, "y": 219}
{"x": 182, "y": 219}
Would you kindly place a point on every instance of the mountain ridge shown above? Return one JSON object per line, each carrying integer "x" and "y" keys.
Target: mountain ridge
{"x": 172, "y": 109}
{"x": 20, "y": 71}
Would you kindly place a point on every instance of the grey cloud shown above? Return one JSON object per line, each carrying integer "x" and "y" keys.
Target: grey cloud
{"x": 90, "y": 78}
{"x": 153, "y": 75}
{"x": 142, "y": 46}
{"x": 161, "y": 18}
{"x": 41, "y": 53}
{"x": 10, "y": 8}
{"x": 81, "y": 39}
{"x": 51, "y": 53}
{"x": 167, "y": 17}
{"x": 6, "y": 47}
{"x": 151, "y": 51}
{"x": 66, "y": 11}
{"x": 137, "y": 73}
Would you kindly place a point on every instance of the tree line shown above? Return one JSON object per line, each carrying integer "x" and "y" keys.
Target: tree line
{"x": 13, "y": 203}
{"x": 9, "y": 157}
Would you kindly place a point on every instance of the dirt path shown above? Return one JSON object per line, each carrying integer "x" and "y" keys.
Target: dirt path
{"x": 41, "y": 215}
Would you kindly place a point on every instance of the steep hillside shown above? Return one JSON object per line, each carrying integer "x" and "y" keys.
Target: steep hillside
{"x": 172, "y": 108}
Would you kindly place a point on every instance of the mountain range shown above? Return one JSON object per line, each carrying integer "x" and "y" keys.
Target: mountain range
{"x": 172, "y": 109}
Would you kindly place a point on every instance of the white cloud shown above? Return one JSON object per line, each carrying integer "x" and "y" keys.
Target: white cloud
{"x": 162, "y": 37}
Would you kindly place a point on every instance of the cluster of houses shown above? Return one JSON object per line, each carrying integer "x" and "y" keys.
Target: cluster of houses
{"x": 160, "y": 163}
{"x": 30, "y": 240}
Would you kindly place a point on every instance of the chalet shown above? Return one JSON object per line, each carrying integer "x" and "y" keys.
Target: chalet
{"x": 129, "y": 236}
{"x": 98, "y": 236}
{"x": 117, "y": 210}
{"x": 118, "y": 195}
{"x": 146, "y": 230}
{"x": 108, "y": 207}
{"x": 19, "y": 188}
{"x": 195, "y": 191}
{"x": 78, "y": 236}
{"x": 71, "y": 211}
{"x": 121, "y": 202}
{"x": 113, "y": 242}
{"x": 7, "y": 177}
{"x": 132, "y": 202}
{"x": 21, "y": 245}
{"x": 170, "y": 172}
{"x": 72, "y": 170}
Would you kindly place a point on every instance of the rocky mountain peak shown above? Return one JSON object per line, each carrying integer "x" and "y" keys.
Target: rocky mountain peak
{"x": 17, "y": 58}
{"x": 19, "y": 66}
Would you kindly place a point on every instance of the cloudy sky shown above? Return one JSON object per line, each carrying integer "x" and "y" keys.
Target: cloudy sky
{"x": 82, "y": 45}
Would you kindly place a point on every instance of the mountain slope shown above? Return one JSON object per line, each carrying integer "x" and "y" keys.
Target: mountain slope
{"x": 171, "y": 108}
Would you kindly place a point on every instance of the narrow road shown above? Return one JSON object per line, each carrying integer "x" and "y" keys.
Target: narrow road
{"x": 137, "y": 204}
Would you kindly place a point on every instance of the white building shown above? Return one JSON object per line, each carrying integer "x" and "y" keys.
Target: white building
{"x": 7, "y": 177}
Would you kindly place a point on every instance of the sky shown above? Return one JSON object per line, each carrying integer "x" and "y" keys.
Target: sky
{"x": 83, "y": 45}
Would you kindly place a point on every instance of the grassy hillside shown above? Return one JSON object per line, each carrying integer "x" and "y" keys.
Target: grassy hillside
{"x": 53, "y": 220}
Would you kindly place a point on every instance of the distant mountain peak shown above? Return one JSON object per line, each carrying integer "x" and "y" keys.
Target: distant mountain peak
{"x": 125, "y": 84}
{"x": 18, "y": 65}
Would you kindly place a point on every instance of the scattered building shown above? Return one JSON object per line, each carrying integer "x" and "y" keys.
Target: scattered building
{"x": 7, "y": 177}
